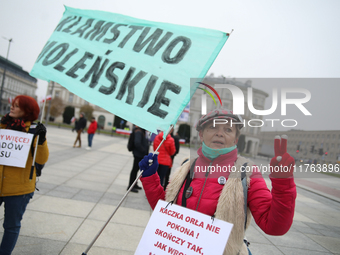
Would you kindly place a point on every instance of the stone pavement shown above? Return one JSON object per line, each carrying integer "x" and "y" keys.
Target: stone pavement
{"x": 79, "y": 190}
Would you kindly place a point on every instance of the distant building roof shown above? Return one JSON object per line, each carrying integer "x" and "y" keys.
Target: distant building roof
{"x": 15, "y": 69}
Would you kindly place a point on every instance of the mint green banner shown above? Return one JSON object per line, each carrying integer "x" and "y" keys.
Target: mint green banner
{"x": 136, "y": 69}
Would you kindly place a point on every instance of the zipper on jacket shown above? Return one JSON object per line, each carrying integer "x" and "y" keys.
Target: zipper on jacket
{"x": 206, "y": 177}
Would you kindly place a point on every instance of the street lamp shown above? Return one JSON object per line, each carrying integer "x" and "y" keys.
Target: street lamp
{"x": 49, "y": 104}
{"x": 4, "y": 74}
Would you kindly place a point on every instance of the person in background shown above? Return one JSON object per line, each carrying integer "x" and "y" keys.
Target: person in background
{"x": 235, "y": 193}
{"x": 91, "y": 131}
{"x": 140, "y": 148}
{"x": 166, "y": 150}
{"x": 74, "y": 121}
{"x": 16, "y": 187}
{"x": 167, "y": 175}
{"x": 80, "y": 125}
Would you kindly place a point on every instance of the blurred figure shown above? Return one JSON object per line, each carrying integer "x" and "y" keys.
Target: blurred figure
{"x": 80, "y": 125}
{"x": 139, "y": 150}
{"x": 166, "y": 150}
{"x": 74, "y": 120}
{"x": 91, "y": 131}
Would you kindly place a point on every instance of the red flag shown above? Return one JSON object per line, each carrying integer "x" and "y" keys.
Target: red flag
{"x": 49, "y": 97}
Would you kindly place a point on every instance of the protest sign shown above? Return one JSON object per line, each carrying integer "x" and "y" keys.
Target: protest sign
{"x": 177, "y": 230}
{"x": 14, "y": 147}
{"x": 137, "y": 69}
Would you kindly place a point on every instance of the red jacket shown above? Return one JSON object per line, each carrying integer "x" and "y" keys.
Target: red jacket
{"x": 92, "y": 128}
{"x": 272, "y": 211}
{"x": 166, "y": 150}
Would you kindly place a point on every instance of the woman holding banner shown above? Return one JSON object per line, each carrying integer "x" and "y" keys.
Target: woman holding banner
{"x": 219, "y": 182}
{"x": 17, "y": 185}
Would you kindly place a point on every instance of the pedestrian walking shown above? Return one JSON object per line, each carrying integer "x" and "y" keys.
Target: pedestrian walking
{"x": 140, "y": 148}
{"x": 17, "y": 186}
{"x": 235, "y": 192}
{"x": 91, "y": 131}
{"x": 80, "y": 125}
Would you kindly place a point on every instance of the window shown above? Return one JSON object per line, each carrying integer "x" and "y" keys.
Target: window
{"x": 70, "y": 98}
{"x": 57, "y": 93}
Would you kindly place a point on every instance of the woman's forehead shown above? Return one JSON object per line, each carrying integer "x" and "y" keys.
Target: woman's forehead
{"x": 227, "y": 123}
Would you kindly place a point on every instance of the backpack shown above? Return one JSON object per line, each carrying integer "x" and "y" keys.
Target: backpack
{"x": 38, "y": 167}
{"x": 131, "y": 142}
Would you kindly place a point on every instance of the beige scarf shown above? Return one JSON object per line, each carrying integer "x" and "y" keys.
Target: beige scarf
{"x": 230, "y": 206}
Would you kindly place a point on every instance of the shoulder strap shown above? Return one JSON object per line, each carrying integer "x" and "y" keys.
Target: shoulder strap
{"x": 245, "y": 191}
{"x": 187, "y": 183}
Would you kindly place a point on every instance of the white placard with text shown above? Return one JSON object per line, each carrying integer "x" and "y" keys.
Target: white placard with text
{"x": 173, "y": 229}
{"x": 14, "y": 147}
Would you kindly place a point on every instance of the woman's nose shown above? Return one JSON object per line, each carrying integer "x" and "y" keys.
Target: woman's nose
{"x": 219, "y": 131}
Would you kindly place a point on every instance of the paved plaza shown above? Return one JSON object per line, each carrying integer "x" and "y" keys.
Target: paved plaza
{"x": 79, "y": 189}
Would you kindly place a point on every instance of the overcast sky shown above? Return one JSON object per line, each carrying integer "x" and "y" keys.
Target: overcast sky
{"x": 283, "y": 39}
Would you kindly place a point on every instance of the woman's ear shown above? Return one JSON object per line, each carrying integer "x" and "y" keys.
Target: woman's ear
{"x": 236, "y": 141}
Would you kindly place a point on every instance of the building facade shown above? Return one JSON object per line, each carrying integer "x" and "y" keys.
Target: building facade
{"x": 17, "y": 82}
{"x": 306, "y": 146}
{"x": 252, "y": 134}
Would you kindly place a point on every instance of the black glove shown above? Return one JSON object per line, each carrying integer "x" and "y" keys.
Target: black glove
{"x": 41, "y": 131}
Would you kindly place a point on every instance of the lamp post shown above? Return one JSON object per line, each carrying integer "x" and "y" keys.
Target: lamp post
{"x": 49, "y": 104}
{"x": 4, "y": 74}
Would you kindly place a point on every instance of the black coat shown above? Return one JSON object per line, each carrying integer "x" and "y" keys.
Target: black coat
{"x": 81, "y": 124}
{"x": 141, "y": 147}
